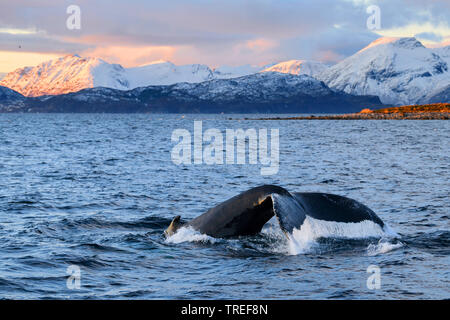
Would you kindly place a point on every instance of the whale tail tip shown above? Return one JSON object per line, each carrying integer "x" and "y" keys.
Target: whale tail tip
{"x": 173, "y": 227}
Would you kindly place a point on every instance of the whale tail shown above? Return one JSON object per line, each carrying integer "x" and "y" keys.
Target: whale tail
{"x": 247, "y": 213}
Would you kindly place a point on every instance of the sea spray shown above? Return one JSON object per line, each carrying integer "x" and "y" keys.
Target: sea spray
{"x": 188, "y": 234}
{"x": 384, "y": 245}
{"x": 303, "y": 240}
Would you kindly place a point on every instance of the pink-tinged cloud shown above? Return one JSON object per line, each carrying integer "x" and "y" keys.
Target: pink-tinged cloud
{"x": 329, "y": 56}
{"x": 260, "y": 45}
{"x": 131, "y": 56}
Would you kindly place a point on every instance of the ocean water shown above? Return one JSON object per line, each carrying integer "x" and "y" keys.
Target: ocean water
{"x": 95, "y": 192}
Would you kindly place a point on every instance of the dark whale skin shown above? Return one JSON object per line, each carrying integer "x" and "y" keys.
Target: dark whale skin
{"x": 244, "y": 214}
{"x": 332, "y": 207}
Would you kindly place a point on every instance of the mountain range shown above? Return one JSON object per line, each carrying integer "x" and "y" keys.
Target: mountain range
{"x": 265, "y": 92}
{"x": 396, "y": 70}
{"x": 72, "y": 73}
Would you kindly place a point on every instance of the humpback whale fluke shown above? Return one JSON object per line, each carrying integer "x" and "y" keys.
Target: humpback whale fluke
{"x": 247, "y": 213}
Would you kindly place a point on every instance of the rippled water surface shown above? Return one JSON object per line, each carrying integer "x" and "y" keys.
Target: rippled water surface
{"x": 97, "y": 191}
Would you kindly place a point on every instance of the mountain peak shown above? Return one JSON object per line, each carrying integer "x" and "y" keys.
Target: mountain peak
{"x": 398, "y": 70}
{"x": 68, "y": 73}
{"x": 76, "y": 58}
{"x": 298, "y": 67}
{"x": 408, "y": 43}
{"x": 71, "y": 57}
{"x": 405, "y": 43}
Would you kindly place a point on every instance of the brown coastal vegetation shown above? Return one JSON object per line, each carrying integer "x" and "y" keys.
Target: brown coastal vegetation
{"x": 435, "y": 111}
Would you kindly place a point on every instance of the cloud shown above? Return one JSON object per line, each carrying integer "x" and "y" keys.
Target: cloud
{"x": 427, "y": 31}
{"x": 131, "y": 56}
{"x": 431, "y": 36}
{"x": 38, "y": 42}
{"x": 216, "y": 32}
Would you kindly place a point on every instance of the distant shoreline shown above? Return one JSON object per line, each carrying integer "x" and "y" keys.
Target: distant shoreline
{"x": 437, "y": 111}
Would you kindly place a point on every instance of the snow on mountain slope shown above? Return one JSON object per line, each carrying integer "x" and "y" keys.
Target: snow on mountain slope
{"x": 165, "y": 73}
{"x": 444, "y": 53}
{"x": 310, "y": 68}
{"x": 228, "y": 72}
{"x": 73, "y": 73}
{"x": 264, "y": 85}
{"x": 398, "y": 70}
{"x": 297, "y": 67}
{"x": 66, "y": 74}
{"x": 441, "y": 95}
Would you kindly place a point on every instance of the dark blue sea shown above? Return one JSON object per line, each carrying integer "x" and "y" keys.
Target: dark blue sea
{"x": 94, "y": 192}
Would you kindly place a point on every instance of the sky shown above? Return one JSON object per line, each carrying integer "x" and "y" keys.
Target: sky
{"x": 212, "y": 32}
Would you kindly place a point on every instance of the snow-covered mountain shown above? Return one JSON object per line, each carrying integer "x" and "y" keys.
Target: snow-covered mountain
{"x": 310, "y": 68}
{"x": 66, "y": 74}
{"x": 398, "y": 70}
{"x": 266, "y": 86}
{"x": 72, "y": 73}
{"x": 261, "y": 92}
{"x": 165, "y": 73}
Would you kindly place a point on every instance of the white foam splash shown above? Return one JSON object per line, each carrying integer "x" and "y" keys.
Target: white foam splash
{"x": 278, "y": 241}
{"x": 383, "y": 246}
{"x": 304, "y": 239}
{"x": 188, "y": 234}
